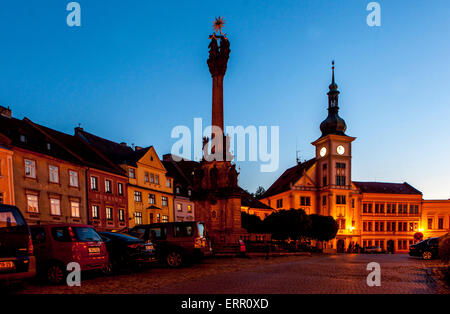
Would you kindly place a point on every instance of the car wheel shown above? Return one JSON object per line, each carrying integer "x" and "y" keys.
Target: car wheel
{"x": 174, "y": 259}
{"x": 56, "y": 274}
{"x": 427, "y": 255}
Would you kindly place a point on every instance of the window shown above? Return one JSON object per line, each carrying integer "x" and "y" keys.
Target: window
{"x": 324, "y": 180}
{"x": 55, "y": 207}
{"x": 324, "y": 200}
{"x": 364, "y": 226}
{"x": 120, "y": 188}
{"x": 394, "y": 208}
{"x": 146, "y": 179}
{"x": 179, "y": 207}
{"x": 138, "y": 218}
{"x": 189, "y": 208}
{"x": 369, "y": 226}
{"x": 441, "y": 223}
{"x": 168, "y": 183}
{"x": 108, "y": 186}
{"x": 132, "y": 173}
{"x": 95, "y": 209}
{"x": 377, "y": 226}
{"x": 121, "y": 215}
{"x": 32, "y": 204}
{"x": 340, "y": 165}
{"x": 23, "y": 138}
{"x": 430, "y": 223}
{"x": 341, "y": 223}
{"x": 158, "y": 217}
{"x": 382, "y": 226}
{"x": 340, "y": 180}
{"x": 38, "y": 235}
{"x": 109, "y": 213}
{"x": 177, "y": 190}
{"x": 156, "y": 179}
{"x": 94, "y": 183}
{"x": 164, "y": 201}
{"x": 61, "y": 234}
{"x": 137, "y": 196}
{"x": 353, "y": 203}
{"x": 381, "y": 208}
{"x": 189, "y": 192}
{"x": 411, "y": 226}
{"x": 388, "y": 226}
{"x": 152, "y": 178}
{"x": 30, "y": 168}
{"x": 416, "y": 209}
{"x": 305, "y": 201}
{"x": 73, "y": 178}
{"x": 393, "y": 226}
{"x": 341, "y": 200}
{"x": 75, "y": 209}
{"x": 151, "y": 199}
{"x": 280, "y": 203}
{"x": 165, "y": 218}
{"x": 324, "y": 167}
{"x": 1, "y": 198}
{"x": 54, "y": 174}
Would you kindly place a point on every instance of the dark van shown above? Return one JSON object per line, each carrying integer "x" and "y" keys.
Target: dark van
{"x": 175, "y": 242}
{"x": 17, "y": 261}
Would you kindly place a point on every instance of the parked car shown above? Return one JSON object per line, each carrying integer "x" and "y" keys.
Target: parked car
{"x": 175, "y": 242}
{"x": 373, "y": 250}
{"x": 127, "y": 251}
{"x": 427, "y": 249}
{"x": 57, "y": 245}
{"x": 17, "y": 261}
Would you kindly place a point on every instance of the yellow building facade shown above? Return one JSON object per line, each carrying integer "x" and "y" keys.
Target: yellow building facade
{"x": 150, "y": 190}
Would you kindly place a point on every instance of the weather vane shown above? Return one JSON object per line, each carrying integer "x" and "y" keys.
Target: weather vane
{"x": 218, "y": 24}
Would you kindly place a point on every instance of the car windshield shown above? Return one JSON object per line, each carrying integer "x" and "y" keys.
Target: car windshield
{"x": 85, "y": 234}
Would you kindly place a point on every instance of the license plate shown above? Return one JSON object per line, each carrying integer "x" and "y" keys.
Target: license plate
{"x": 6, "y": 265}
{"x": 94, "y": 250}
{"x": 149, "y": 248}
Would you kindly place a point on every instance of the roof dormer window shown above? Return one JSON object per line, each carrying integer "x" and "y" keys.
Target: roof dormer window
{"x": 23, "y": 138}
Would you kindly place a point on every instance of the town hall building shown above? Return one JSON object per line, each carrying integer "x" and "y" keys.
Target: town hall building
{"x": 389, "y": 215}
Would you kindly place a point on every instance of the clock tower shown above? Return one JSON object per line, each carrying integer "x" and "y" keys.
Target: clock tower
{"x": 333, "y": 156}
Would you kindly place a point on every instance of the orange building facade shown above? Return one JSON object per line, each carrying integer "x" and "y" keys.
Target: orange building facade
{"x": 6, "y": 172}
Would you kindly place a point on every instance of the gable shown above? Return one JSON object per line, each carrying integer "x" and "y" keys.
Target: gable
{"x": 307, "y": 178}
{"x": 151, "y": 159}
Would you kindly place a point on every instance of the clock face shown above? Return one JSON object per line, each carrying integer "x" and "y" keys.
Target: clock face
{"x": 340, "y": 150}
{"x": 323, "y": 151}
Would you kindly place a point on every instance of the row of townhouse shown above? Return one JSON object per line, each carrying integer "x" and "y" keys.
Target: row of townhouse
{"x": 54, "y": 177}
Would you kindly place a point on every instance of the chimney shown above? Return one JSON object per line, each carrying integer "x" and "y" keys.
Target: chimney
{"x": 6, "y": 112}
{"x": 123, "y": 144}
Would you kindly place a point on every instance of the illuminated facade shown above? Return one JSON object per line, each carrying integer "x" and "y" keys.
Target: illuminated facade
{"x": 388, "y": 215}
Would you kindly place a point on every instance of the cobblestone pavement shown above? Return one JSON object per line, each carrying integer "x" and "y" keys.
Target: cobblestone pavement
{"x": 286, "y": 275}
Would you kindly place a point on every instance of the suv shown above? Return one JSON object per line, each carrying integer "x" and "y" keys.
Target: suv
{"x": 427, "y": 249}
{"x": 16, "y": 250}
{"x": 175, "y": 242}
{"x": 57, "y": 245}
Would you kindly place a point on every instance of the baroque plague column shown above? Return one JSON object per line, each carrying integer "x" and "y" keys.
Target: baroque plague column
{"x": 215, "y": 182}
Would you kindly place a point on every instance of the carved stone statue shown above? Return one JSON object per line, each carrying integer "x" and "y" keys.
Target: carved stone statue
{"x": 225, "y": 47}
{"x": 213, "y": 47}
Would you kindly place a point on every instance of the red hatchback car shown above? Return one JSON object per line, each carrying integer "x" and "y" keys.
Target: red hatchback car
{"x": 57, "y": 245}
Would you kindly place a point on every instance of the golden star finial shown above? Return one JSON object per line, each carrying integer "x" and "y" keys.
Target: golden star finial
{"x": 218, "y": 24}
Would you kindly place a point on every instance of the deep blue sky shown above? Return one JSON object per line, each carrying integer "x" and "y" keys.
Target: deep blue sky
{"x": 135, "y": 69}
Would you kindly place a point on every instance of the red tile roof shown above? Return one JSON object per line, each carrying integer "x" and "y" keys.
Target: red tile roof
{"x": 290, "y": 176}
{"x": 386, "y": 188}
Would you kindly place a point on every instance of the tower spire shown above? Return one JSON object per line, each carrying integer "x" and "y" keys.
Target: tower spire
{"x": 333, "y": 124}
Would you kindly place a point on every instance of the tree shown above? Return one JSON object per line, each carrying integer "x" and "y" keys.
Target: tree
{"x": 323, "y": 228}
{"x": 251, "y": 223}
{"x": 259, "y": 192}
{"x": 284, "y": 224}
